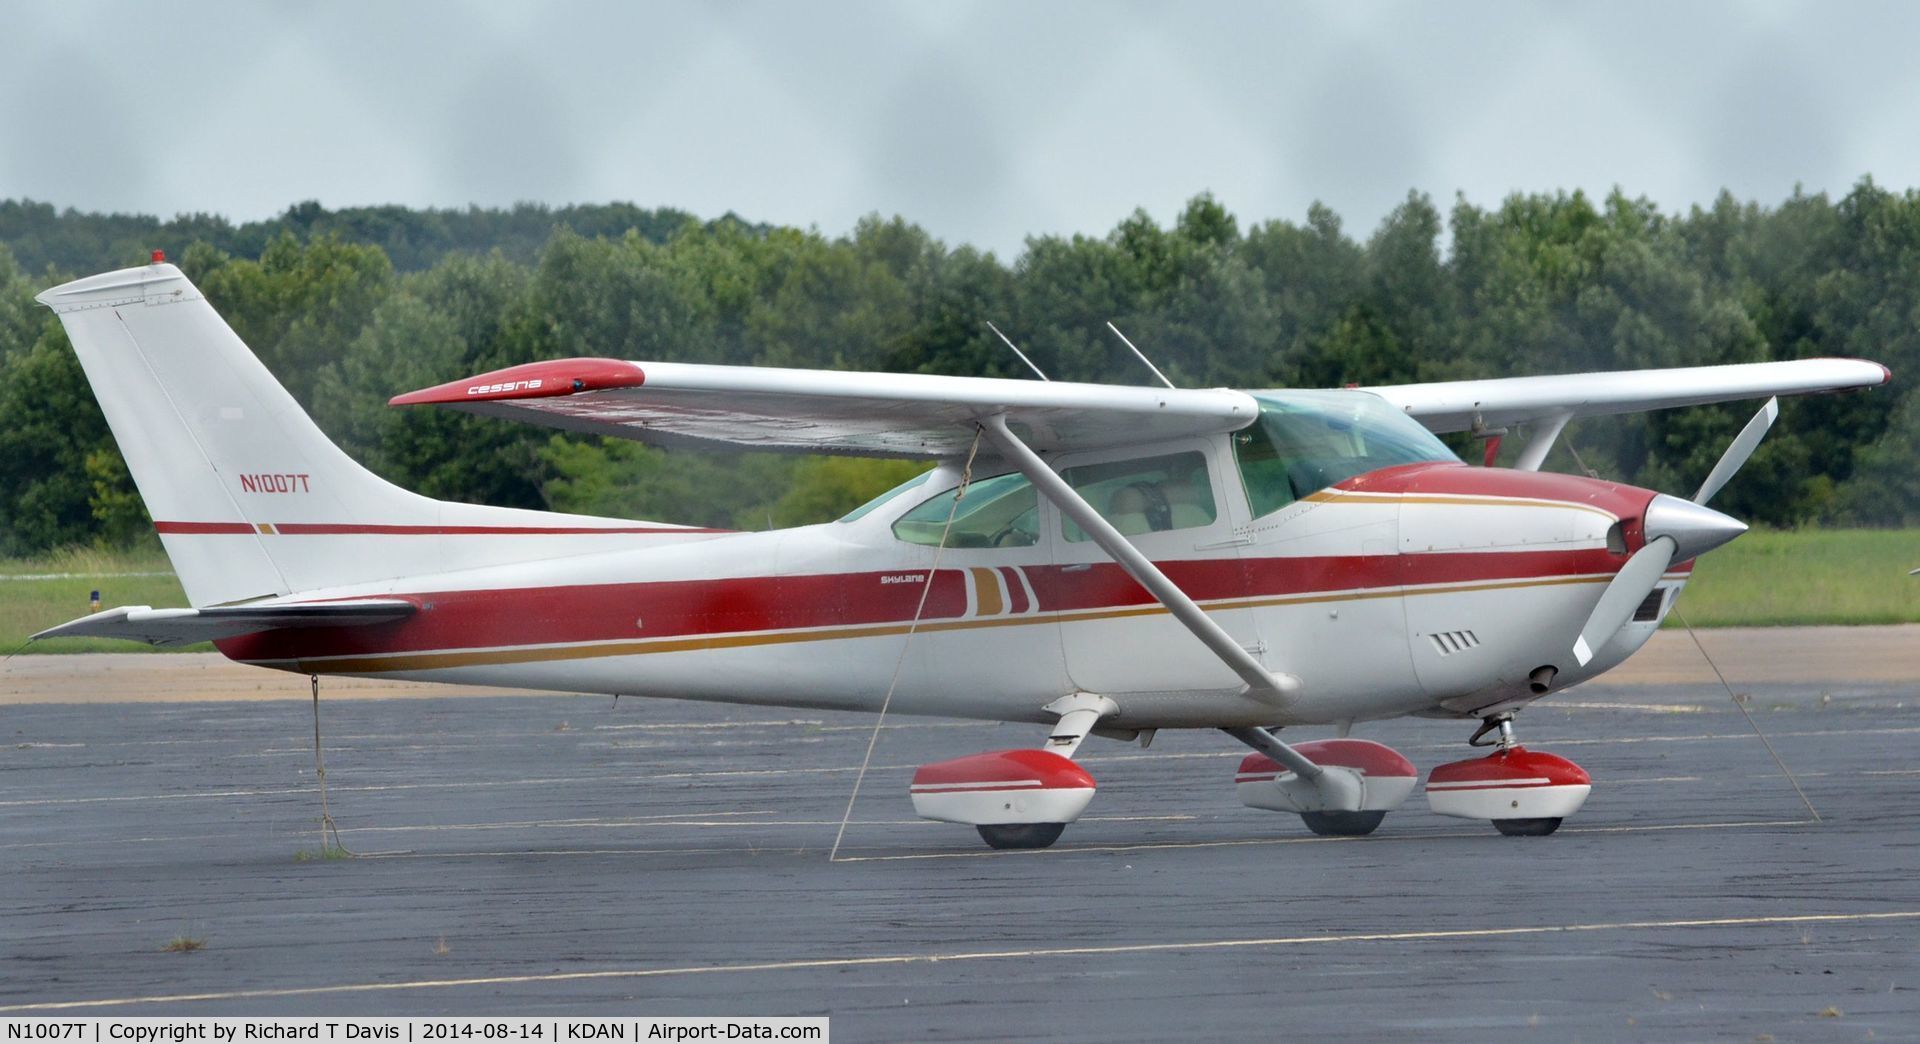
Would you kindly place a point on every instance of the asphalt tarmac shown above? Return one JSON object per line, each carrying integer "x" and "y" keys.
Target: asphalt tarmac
{"x": 527, "y": 855}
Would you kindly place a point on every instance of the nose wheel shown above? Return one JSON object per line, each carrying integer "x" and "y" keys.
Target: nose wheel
{"x": 1524, "y": 793}
{"x": 1528, "y": 827}
{"x": 1020, "y": 835}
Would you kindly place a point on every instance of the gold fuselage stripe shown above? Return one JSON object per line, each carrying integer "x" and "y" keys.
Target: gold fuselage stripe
{"x": 987, "y": 586}
{"x": 1329, "y": 496}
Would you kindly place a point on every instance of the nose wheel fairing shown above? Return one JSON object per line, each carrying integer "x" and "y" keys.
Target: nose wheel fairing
{"x": 1512, "y": 783}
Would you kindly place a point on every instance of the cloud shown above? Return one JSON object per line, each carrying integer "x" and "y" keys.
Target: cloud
{"x": 985, "y": 122}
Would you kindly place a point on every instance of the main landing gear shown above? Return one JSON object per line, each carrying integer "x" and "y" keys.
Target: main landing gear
{"x": 1382, "y": 775}
{"x": 1017, "y": 798}
{"x": 1021, "y": 835}
{"x": 1525, "y": 793}
{"x": 1338, "y": 787}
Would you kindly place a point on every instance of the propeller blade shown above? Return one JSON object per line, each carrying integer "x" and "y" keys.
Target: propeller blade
{"x": 1630, "y": 586}
{"x": 1739, "y": 450}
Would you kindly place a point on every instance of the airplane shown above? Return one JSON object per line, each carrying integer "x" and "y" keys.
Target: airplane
{"x": 1091, "y": 559}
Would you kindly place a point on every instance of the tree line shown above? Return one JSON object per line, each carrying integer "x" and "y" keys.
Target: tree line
{"x": 350, "y": 307}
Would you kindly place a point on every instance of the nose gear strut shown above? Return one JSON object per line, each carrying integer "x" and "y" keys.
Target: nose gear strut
{"x": 1503, "y": 723}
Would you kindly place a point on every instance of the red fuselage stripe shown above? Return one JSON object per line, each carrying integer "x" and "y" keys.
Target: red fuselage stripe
{"x": 1016, "y": 591}
{"x": 693, "y": 608}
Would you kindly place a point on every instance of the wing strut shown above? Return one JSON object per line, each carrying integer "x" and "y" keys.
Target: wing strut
{"x": 1262, "y": 683}
{"x": 1324, "y": 787}
{"x": 1544, "y": 435}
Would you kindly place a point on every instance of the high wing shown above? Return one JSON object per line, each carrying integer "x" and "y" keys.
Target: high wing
{"x": 143, "y": 623}
{"x": 923, "y": 416}
{"x": 1462, "y": 405}
{"x": 917, "y": 416}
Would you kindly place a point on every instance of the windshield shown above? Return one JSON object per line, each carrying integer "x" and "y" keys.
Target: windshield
{"x": 862, "y": 511}
{"x": 1309, "y": 440}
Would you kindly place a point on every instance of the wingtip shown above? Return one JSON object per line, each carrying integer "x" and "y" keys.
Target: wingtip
{"x": 1886, "y": 375}
{"x": 537, "y": 380}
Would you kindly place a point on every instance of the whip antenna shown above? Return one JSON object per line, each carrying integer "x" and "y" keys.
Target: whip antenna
{"x": 1018, "y": 352}
{"x": 1138, "y": 354}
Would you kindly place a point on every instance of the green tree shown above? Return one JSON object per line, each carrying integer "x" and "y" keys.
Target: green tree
{"x": 300, "y": 305}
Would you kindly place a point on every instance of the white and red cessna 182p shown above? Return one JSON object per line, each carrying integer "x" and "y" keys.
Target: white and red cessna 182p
{"x": 1090, "y": 558}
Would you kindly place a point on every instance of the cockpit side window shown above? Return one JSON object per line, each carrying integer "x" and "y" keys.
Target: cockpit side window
{"x": 1002, "y": 511}
{"x": 1147, "y": 494}
{"x": 1307, "y": 441}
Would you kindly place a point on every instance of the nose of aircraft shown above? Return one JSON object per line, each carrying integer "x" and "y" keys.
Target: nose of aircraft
{"x": 1695, "y": 528}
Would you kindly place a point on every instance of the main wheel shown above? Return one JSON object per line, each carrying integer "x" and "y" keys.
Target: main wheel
{"x": 1021, "y": 835}
{"x": 1527, "y": 827}
{"x": 1342, "y": 824}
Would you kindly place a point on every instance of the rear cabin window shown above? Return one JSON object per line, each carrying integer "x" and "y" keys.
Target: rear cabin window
{"x": 1001, "y": 511}
{"x": 1147, "y": 495}
{"x": 1306, "y": 441}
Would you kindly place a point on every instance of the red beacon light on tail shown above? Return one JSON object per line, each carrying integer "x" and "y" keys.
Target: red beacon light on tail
{"x": 159, "y": 257}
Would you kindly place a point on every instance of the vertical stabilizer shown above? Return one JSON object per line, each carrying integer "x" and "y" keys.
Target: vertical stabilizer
{"x": 250, "y": 498}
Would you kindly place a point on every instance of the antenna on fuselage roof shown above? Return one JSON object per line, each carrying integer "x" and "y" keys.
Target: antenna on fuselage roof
{"x": 1138, "y": 354}
{"x": 1018, "y": 352}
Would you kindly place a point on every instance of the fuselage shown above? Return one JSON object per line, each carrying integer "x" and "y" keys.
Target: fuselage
{"x": 1363, "y": 569}
{"x": 1428, "y": 588}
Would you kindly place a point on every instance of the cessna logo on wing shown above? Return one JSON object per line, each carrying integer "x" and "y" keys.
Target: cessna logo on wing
{"x": 275, "y": 483}
{"x": 504, "y": 386}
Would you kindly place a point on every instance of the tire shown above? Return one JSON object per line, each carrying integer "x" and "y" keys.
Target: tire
{"x": 1527, "y": 827}
{"x": 1342, "y": 824}
{"x": 1021, "y": 835}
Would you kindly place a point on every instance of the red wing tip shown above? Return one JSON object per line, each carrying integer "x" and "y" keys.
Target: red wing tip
{"x": 536, "y": 380}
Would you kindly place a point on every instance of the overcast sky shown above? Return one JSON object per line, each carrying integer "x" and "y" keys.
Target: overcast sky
{"x": 983, "y": 122}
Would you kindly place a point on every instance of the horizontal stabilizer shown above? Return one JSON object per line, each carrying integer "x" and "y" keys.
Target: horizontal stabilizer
{"x": 143, "y": 623}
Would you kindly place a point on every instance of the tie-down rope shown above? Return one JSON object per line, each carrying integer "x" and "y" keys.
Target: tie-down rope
{"x": 327, "y": 829}
{"x": 966, "y": 479}
{"x": 1742, "y": 706}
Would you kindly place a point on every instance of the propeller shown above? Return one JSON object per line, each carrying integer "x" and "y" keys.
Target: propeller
{"x": 1675, "y": 531}
{"x": 1738, "y": 451}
